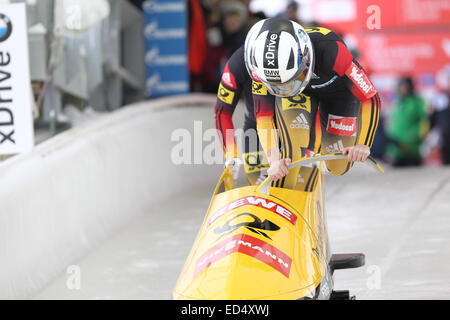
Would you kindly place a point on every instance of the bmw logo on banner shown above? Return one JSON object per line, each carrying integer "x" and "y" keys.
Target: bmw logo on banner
{"x": 5, "y": 27}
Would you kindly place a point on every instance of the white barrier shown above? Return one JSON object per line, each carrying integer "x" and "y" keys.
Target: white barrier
{"x": 76, "y": 189}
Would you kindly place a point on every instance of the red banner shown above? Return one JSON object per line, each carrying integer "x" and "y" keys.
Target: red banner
{"x": 337, "y": 15}
{"x": 404, "y": 13}
{"x": 413, "y": 53}
{"x": 393, "y": 37}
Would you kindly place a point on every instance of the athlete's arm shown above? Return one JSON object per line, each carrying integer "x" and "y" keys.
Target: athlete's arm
{"x": 264, "y": 104}
{"x": 227, "y": 98}
{"x": 365, "y": 91}
{"x": 359, "y": 84}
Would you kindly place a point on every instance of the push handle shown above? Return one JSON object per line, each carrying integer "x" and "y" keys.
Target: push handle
{"x": 265, "y": 185}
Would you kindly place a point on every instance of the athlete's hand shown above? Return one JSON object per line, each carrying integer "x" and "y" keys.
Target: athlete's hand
{"x": 358, "y": 153}
{"x": 278, "y": 168}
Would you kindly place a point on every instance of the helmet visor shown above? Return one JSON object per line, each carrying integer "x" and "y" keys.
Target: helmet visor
{"x": 290, "y": 88}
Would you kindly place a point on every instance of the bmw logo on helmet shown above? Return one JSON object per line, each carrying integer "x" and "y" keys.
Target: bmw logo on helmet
{"x": 5, "y": 27}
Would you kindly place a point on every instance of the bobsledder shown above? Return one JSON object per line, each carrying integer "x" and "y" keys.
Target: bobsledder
{"x": 263, "y": 242}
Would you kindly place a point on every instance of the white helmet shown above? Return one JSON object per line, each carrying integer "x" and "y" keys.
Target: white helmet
{"x": 279, "y": 53}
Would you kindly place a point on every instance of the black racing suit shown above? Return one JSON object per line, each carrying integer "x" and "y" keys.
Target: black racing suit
{"x": 348, "y": 106}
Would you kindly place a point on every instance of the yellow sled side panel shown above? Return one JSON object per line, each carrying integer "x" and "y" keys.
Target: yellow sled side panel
{"x": 255, "y": 246}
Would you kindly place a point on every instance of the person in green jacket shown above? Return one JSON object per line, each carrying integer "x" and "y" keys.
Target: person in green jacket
{"x": 407, "y": 126}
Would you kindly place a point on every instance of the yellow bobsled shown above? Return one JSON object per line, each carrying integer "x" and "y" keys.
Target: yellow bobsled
{"x": 263, "y": 242}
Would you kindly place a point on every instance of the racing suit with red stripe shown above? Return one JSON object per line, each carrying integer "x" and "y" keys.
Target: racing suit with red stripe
{"x": 234, "y": 83}
{"x": 340, "y": 93}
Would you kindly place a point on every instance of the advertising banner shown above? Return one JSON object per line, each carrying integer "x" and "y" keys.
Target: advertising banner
{"x": 393, "y": 38}
{"x": 413, "y": 53}
{"x": 16, "y": 124}
{"x": 338, "y": 15}
{"x": 166, "y": 55}
{"x": 406, "y": 13}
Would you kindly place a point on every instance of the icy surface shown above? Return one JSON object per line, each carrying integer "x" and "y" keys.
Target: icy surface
{"x": 400, "y": 220}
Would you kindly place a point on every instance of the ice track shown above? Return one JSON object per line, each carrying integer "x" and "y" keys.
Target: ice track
{"x": 400, "y": 220}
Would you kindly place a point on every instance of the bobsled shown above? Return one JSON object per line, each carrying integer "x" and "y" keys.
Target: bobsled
{"x": 264, "y": 242}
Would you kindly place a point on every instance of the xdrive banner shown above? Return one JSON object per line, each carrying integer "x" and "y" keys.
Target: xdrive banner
{"x": 16, "y": 124}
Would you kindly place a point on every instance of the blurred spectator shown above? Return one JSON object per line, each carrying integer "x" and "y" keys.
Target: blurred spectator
{"x": 197, "y": 44}
{"x": 257, "y": 16}
{"x": 211, "y": 11}
{"x": 223, "y": 39}
{"x": 253, "y": 17}
{"x": 292, "y": 12}
{"x": 440, "y": 119}
{"x": 407, "y": 126}
{"x": 234, "y": 24}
